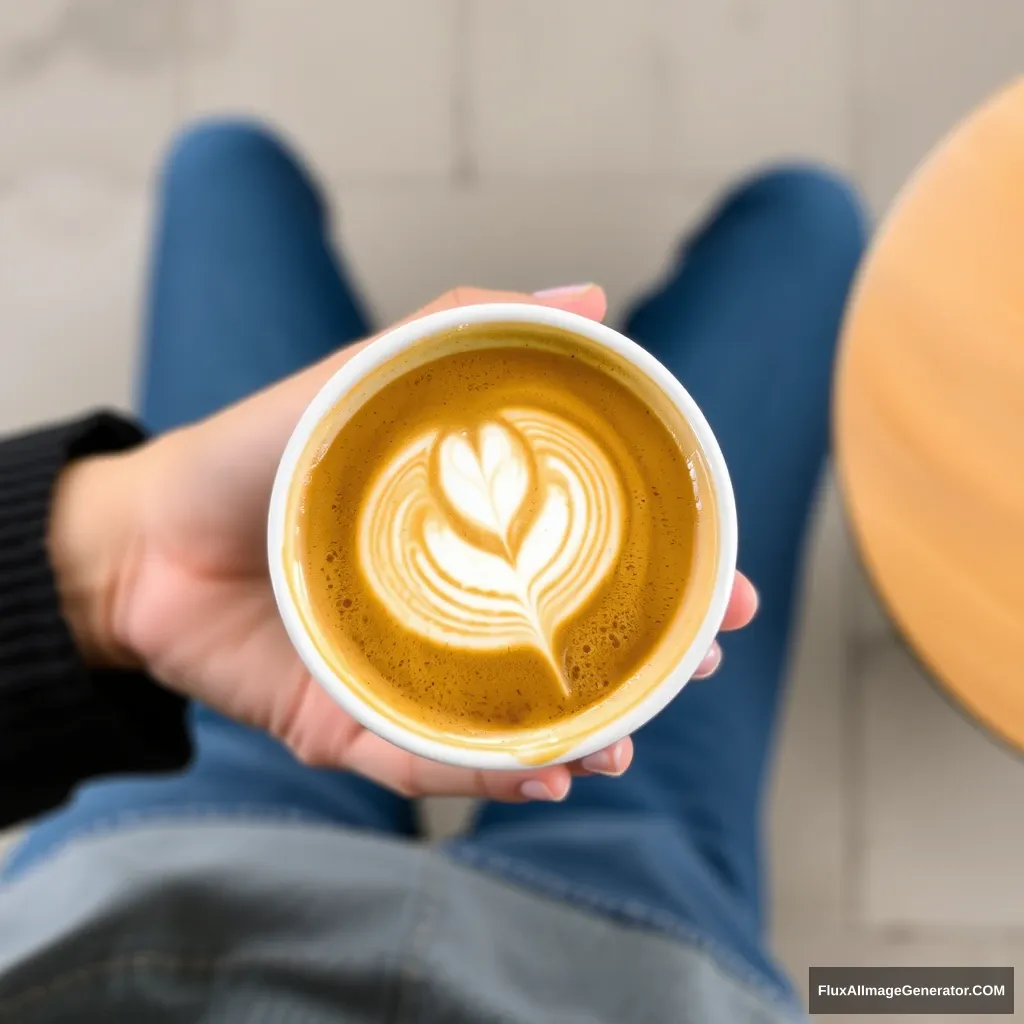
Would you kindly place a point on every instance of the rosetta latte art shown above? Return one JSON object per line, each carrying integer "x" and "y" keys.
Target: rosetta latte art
{"x": 492, "y": 537}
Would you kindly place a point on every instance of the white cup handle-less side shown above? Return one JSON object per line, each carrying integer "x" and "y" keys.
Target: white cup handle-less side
{"x": 386, "y": 348}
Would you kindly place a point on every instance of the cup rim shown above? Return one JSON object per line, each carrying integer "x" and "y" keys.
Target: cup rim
{"x": 384, "y": 348}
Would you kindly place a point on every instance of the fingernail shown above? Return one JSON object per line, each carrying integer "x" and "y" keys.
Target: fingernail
{"x": 564, "y": 291}
{"x": 604, "y": 762}
{"x": 709, "y": 665}
{"x": 534, "y": 789}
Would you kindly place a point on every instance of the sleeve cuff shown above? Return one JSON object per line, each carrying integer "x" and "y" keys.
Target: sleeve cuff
{"x": 59, "y": 721}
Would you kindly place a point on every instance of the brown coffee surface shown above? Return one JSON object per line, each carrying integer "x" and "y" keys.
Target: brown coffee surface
{"x": 501, "y": 537}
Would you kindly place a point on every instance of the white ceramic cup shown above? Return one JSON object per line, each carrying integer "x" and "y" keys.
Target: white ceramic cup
{"x": 295, "y": 465}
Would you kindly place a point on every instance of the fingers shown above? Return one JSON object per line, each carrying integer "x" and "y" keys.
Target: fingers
{"x": 398, "y": 770}
{"x": 613, "y": 760}
{"x": 742, "y": 604}
{"x": 412, "y": 776}
{"x": 710, "y": 663}
{"x": 742, "y": 608}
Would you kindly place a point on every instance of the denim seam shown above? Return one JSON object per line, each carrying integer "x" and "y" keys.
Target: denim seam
{"x": 632, "y": 910}
{"x": 432, "y": 879}
{"x": 411, "y": 968}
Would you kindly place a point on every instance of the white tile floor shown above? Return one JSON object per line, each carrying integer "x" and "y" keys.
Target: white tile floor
{"x": 532, "y": 144}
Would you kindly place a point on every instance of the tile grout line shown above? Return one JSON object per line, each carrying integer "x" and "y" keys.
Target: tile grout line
{"x": 465, "y": 171}
{"x": 179, "y": 94}
{"x": 856, "y": 130}
{"x": 856, "y": 798}
{"x": 683, "y": 181}
{"x": 665, "y": 106}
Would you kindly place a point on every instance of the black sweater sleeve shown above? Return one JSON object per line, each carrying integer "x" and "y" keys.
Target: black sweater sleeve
{"x": 61, "y": 722}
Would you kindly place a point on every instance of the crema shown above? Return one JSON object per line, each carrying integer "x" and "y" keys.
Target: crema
{"x": 504, "y": 535}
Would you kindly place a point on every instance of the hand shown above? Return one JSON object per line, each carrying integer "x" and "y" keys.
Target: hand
{"x": 161, "y": 561}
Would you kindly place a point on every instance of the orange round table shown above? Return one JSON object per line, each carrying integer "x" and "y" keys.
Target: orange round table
{"x": 929, "y": 414}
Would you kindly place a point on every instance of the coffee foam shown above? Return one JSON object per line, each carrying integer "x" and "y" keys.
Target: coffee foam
{"x": 607, "y": 632}
{"x": 491, "y": 536}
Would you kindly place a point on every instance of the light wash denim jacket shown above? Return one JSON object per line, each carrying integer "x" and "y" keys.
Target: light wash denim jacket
{"x": 295, "y": 924}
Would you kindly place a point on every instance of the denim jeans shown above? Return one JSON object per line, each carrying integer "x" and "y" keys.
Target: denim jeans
{"x": 245, "y": 289}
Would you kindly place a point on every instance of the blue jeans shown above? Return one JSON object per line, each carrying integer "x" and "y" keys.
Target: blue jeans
{"x": 245, "y": 289}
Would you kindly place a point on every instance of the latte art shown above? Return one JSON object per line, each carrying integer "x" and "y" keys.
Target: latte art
{"x": 491, "y": 537}
{"x": 503, "y": 536}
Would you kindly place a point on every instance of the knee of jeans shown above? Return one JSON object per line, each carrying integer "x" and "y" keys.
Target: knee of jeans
{"x": 229, "y": 151}
{"x": 820, "y": 209}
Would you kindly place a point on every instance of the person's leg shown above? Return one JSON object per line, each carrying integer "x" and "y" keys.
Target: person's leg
{"x": 244, "y": 286}
{"x": 747, "y": 321}
{"x": 244, "y": 290}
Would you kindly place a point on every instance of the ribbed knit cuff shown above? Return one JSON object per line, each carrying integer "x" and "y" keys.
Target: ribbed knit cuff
{"x": 61, "y": 722}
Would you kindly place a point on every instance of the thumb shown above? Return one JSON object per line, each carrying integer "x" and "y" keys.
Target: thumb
{"x": 264, "y": 421}
{"x": 585, "y": 299}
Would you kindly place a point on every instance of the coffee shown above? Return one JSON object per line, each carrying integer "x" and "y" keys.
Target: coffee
{"x": 507, "y": 530}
